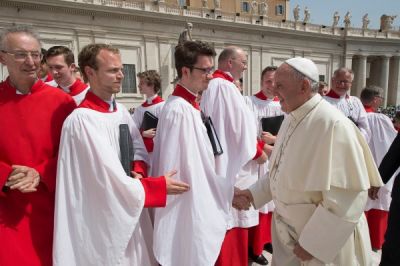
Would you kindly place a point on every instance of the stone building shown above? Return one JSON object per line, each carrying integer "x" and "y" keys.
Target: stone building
{"x": 146, "y": 32}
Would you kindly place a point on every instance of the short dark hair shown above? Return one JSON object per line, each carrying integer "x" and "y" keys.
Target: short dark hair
{"x": 369, "y": 93}
{"x": 61, "y": 50}
{"x": 152, "y": 78}
{"x": 268, "y": 69}
{"x": 88, "y": 56}
{"x": 186, "y": 54}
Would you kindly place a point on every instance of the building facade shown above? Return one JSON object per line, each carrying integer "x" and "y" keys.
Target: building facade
{"x": 146, "y": 32}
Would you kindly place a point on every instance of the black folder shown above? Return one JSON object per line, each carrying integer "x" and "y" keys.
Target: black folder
{"x": 126, "y": 148}
{"x": 149, "y": 121}
{"x": 272, "y": 124}
{"x": 212, "y": 135}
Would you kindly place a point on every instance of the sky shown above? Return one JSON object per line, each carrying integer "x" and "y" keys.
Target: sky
{"x": 322, "y": 11}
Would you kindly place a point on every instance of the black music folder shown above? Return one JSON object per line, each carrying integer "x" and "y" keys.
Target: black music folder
{"x": 149, "y": 121}
{"x": 272, "y": 124}
{"x": 212, "y": 135}
{"x": 126, "y": 148}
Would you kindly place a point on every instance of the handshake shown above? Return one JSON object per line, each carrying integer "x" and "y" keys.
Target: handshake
{"x": 242, "y": 199}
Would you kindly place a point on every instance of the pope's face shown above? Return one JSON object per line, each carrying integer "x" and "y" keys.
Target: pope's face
{"x": 288, "y": 89}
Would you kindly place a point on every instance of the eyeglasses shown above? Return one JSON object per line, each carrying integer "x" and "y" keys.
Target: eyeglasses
{"x": 23, "y": 55}
{"x": 345, "y": 82}
{"x": 208, "y": 70}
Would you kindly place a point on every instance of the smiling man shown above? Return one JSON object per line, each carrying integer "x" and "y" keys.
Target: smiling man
{"x": 349, "y": 105}
{"x": 61, "y": 63}
{"x": 320, "y": 171}
{"x": 31, "y": 117}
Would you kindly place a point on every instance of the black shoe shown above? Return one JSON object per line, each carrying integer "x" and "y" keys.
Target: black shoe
{"x": 258, "y": 259}
{"x": 268, "y": 248}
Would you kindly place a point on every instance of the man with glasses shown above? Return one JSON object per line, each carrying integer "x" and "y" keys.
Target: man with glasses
{"x": 237, "y": 132}
{"x": 31, "y": 117}
{"x": 350, "y": 106}
{"x": 382, "y": 135}
{"x": 190, "y": 230}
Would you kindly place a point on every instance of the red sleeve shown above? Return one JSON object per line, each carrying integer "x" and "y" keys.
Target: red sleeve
{"x": 140, "y": 167}
{"x": 5, "y": 171}
{"x": 48, "y": 171}
{"x": 260, "y": 146}
{"x": 149, "y": 143}
{"x": 155, "y": 190}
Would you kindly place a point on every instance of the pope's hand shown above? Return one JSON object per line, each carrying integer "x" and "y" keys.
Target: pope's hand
{"x": 301, "y": 253}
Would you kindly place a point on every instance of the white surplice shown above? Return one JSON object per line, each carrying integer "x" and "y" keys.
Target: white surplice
{"x": 382, "y": 136}
{"x": 352, "y": 107}
{"x": 237, "y": 132}
{"x": 98, "y": 215}
{"x": 190, "y": 230}
{"x": 320, "y": 170}
{"x": 263, "y": 108}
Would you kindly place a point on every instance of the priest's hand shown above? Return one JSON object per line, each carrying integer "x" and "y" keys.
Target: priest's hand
{"x": 23, "y": 178}
{"x": 150, "y": 133}
{"x": 136, "y": 175}
{"x": 175, "y": 187}
{"x": 262, "y": 159}
{"x": 301, "y": 253}
{"x": 242, "y": 199}
{"x": 268, "y": 149}
{"x": 268, "y": 138}
{"x": 373, "y": 192}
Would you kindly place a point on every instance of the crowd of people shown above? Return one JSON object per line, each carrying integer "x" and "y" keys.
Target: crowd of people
{"x": 84, "y": 182}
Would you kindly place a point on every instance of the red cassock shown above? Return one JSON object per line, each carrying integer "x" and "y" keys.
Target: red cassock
{"x": 30, "y": 127}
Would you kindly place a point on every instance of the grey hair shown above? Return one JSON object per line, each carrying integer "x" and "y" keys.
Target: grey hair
{"x": 344, "y": 70}
{"x": 28, "y": 30}
{"x": 300, "y": 76}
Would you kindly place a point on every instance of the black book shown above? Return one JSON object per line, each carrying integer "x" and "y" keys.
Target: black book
{"x": 212, "y": 135}
{"x": 272, "y": 124}
{"x": 149, "y": 121}
{"x": 126, "y": 148}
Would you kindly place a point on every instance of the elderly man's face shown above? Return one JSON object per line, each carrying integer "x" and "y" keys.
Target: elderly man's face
{"x": 289, "y": 89}
{"x": 341, "y": 83}
{"x": 22, "y": 55}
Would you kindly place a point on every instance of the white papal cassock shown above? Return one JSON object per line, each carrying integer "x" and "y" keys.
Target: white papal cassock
{"x": 320, "y": 171}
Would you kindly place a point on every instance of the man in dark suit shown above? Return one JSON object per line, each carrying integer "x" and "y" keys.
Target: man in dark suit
{"x": 389, "y": 165}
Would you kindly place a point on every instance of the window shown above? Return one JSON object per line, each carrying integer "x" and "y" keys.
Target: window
{"x": 280, "y": 10}
{"x": 184, "y": 2}
{"x": 129, "y": 81}
{"x": 321, "y": 77}
{"x": 245, "y": 6}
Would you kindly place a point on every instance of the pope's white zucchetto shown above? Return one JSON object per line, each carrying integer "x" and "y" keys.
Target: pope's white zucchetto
{"x": 304, "y": 66}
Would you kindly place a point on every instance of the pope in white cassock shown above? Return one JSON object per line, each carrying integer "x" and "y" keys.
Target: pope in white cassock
{"x": 320, "y": 171}
{"x": 190, "y": 230}
{"x": 99, "y": 217}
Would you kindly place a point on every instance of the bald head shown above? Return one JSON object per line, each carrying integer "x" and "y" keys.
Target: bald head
{"x": 233, "y": 60}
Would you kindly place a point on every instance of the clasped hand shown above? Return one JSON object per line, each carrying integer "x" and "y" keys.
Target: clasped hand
{"x": 23, "y": 178}
{"x": 242, "y": 199}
